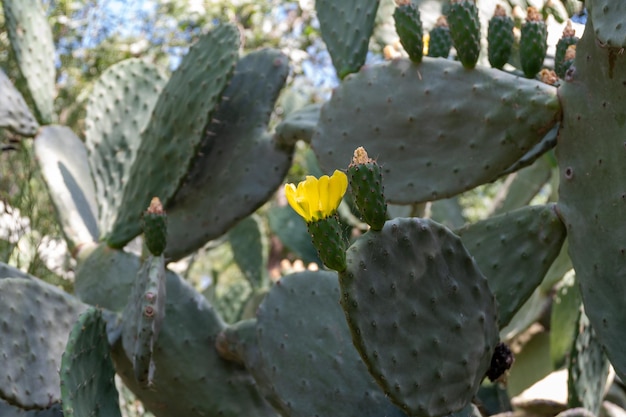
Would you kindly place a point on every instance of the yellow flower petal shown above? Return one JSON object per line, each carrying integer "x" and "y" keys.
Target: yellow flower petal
{"x": 323, "y": 202}
{"x": 311, "y": 194}
{"x": 337, "y": 188}
{"x": 292, "y": 198}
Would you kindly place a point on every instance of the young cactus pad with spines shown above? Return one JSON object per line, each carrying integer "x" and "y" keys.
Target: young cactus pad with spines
{"x": 155, "y": 227}
{"x": 440, "y": 42}
{"x": 366, "y": 183}
{"x": 465, "y": 31}
{"x": 421, "y": 314}
{"x": 500, "y": 38}
{"x": 533, "y": 43}
{"x": 567, "y": 39}
{"x": 409, "y": 28}
{"x": 316, "y": 200}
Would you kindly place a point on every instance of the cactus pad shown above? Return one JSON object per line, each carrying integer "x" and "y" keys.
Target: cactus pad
{"x": 238, "y": 166}
{"x": 608, "y": 21}
{"x": 298, "y": 125}
{"x": 306, "y": 353}
{"x": 143, "y": 318}
{"x": 409, "y": 28}
{"x": 33, "y": 46}
{"x": 346, "y": 28}
{"x": 63, "y": 161}
{"x": 185, "y": 353}
{"x": 87, "y": 374}
{"x": 171, "y": 138}
{"x": 434, "y": 128}
{"x": 14, "y": 113}
{"x": 119, "y": 108}
{"x": 36, "y": 319}
{"x": 591, "y": 189}
{"x": 105, "y": 277}
{"x": 588, "y": 369}
{"x": 514, "y": 251}
{"x": 412, "y": 296}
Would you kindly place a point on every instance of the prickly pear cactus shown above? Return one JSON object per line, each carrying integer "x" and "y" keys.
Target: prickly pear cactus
{"x": 33, "y": 46}
{"x": 415, "y": 144}
{"x": 412, "y": 295}
{"x": 346, "y": 28}
{"x": 591, "y": 160}
{"x": 174, "y": 131}
{"x": 305, "y": 352}
{"x": 87, "y": 374}
{"x": 14, "y": 113}
{"x": 409, "y": 28}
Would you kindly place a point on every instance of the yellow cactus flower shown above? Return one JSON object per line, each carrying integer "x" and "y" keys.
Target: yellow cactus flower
{"x": 316, "y": 199}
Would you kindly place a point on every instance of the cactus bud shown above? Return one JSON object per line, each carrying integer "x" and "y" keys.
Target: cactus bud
{"x": 500, "y": 38}
{"x": 568, "y": 39}
{"x": 465, "y": 31}
{"x": 366, "y": 181}
{"x": 155, "y": 227}
{"x": 533, "y": 43}
{"x": 440, "y": 41}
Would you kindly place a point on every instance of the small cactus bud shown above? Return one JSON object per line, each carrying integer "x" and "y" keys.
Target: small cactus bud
{"x": 533, "y": 43}
{"x": 155, "y": 227}
{"x": 366, "y": 182}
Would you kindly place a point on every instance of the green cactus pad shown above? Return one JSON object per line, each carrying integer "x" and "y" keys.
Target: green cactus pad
{"x": 233, "y": 342}
{"x": 87, "y": 374}
{"x": 143, "y": 318}
{"x": 9, "y": 410}
{"x": 440, "y": 41}
{"x": 588, "y": 369}
{"x": 14, "y": 113}
{"x": 591, "y": 189}
{"x": 36, "y": 319}
{"x": 346, "y": 28}
{"x": 500, "y": 38}
{"x": 250, "y": 247}
{"x": 409, "y": 28}
{"x": 171, "y": 138}
{"x": 187, "y": 365}
{"x": 436, "y": 129}
{"x": 105, "y": 277}
{"x": 298, "y": 125}
{"x": 119, "y": 108}
{"x": 608, "y": 21}
{"x": 33, "y": 46}
{"x": 306, "y": 356}
{"x": 9, "y": 271}
{"x": 533, "y": 44}
{"x": 238, "y": 167}
{"x": 366, "y": 185}
{"x": 421, "y": 315}
{"x": 63, "y": 161}
{"x": 465, "y": 31}
{"x": 515, "y": 250}
{"x": 564, "y": 317}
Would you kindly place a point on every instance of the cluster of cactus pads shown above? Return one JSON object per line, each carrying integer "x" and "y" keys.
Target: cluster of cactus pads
{"x": 408, "y": 319}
